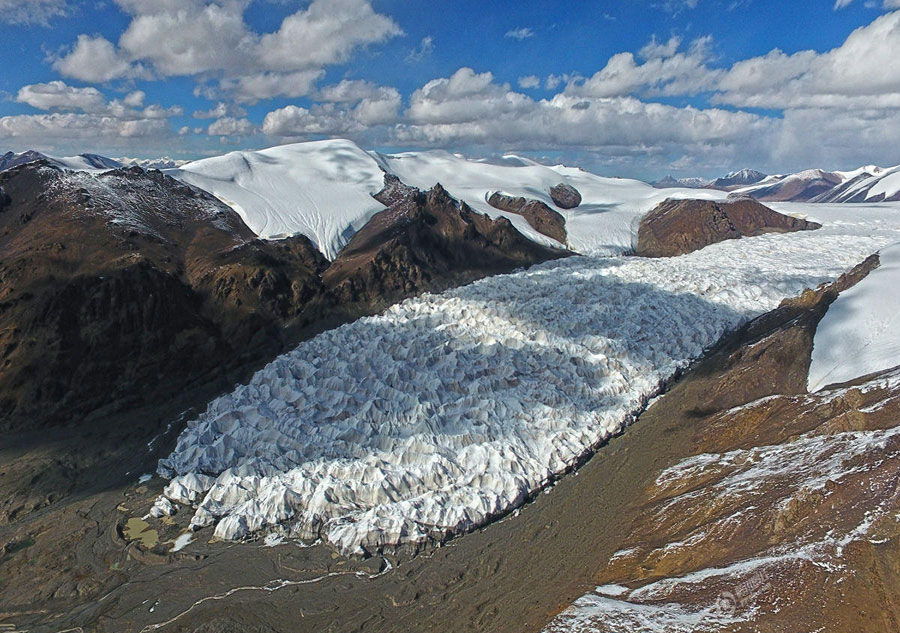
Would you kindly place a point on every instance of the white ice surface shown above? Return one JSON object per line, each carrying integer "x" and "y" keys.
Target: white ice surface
{"x": 605, "y": 223}
{"x": 321, "y": 189}
{"x": 860, "y": 333}
{"x": 449, "y": 410}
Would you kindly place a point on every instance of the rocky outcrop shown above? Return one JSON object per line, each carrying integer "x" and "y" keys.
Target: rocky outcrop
{"x": 394, "y": 191}
{"x": 427, "y": 241}
{"x": 676, "y": 227}
{"x": 539, "y": 216}
{"x": 565, "y": 196}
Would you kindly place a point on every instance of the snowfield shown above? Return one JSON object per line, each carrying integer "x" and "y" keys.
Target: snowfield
{"x": 449, "y": 410}
{"x": 323, "y": 190}
{"x": 860, "y": 333}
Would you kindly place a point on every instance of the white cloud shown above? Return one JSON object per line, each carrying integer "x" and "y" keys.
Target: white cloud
{"x": 423, "y": 50}
{"x": 83, "y": 114}
{"x": 665, "y": 71}
{"x": 464, "y": 96}
{"x": 230, "y": 126}
{"x": 32, "y": 11}
{"x": 203, "y": 38}
{"x": 863, "y": 72}
{"x": 252, "y": 88}
{"x": 350, "y": 107}
{"x": 57, "y": 95}
{"x": 529, "y": 81}
{"x": 95, "y": 60}
{"x": 57, "y": 126}
{"x": 135, "y": 99}
{"x": 521, "y": 33}
{"x": 352, "y": 91}
{"x": 472, "y": 108}
{"x": 220, "y": 110}
{"x": 885, "y": 4}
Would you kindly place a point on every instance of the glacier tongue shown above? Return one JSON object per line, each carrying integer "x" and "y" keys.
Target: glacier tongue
{"x": 450, "y": 409}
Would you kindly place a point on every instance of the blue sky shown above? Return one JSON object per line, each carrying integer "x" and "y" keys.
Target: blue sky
{"x": 624, "y": 88}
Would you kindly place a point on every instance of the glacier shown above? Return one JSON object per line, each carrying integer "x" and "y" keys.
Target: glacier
{"x": 450, "y": 410}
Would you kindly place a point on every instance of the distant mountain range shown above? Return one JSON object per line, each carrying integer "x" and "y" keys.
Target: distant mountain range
{"x": 866, "y": 184}
{"x": 86, "y": 161}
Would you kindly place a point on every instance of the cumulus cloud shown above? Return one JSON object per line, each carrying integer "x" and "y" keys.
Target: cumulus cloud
{"x": 464, "y": 96}
{"x": 666, "y": 70}
{"x": 349, "y": 107}
{"x": 529, "y": 81}
{"x": 521, "y": 33}
{"x": 202, "y": 38}
{"x": 230, "y": 126}
{"x": 96, "y": 60}
{"x": 220, "y": 110}
{"x": 60, "y": 126}
{"x": 57, "y": 95}
{"x": 862, "y": 72}
{"x": 38, "y": 12}
{"x": 473, "y": 108}
{"x": 84, "y": 114}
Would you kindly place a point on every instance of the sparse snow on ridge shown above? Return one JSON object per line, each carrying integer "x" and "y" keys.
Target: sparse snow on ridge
{"x": 450, "y": 409}
{"x": 860, "y": 333}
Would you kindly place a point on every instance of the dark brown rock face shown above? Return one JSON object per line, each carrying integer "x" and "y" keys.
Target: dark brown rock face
{"x": 565, "y": 196}
{"x": 676, "y": 227}
{"x": 539, "y": 216}
{"x": 119, "y": 289}
{"x": 427, "y": 241}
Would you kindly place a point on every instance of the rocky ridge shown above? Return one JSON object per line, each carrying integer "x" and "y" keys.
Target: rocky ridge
{"x": 676, "y": 227}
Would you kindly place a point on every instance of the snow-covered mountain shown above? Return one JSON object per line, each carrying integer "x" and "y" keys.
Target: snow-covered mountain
{"x": 163, "y": 162}
{"x": 671, "y": 182}
{"x": 866, "y": 184}
{"x": 740, "y": 178}
{"x": 324, "y": 189}
{"x": 82, "y": 162}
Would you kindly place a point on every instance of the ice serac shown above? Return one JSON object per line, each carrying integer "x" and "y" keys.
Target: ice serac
{"x": 320, "y": 189}
{"x": 860, "y": 333}
{"x": 450, "y": 410}
{"x": 676, "y": 227}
